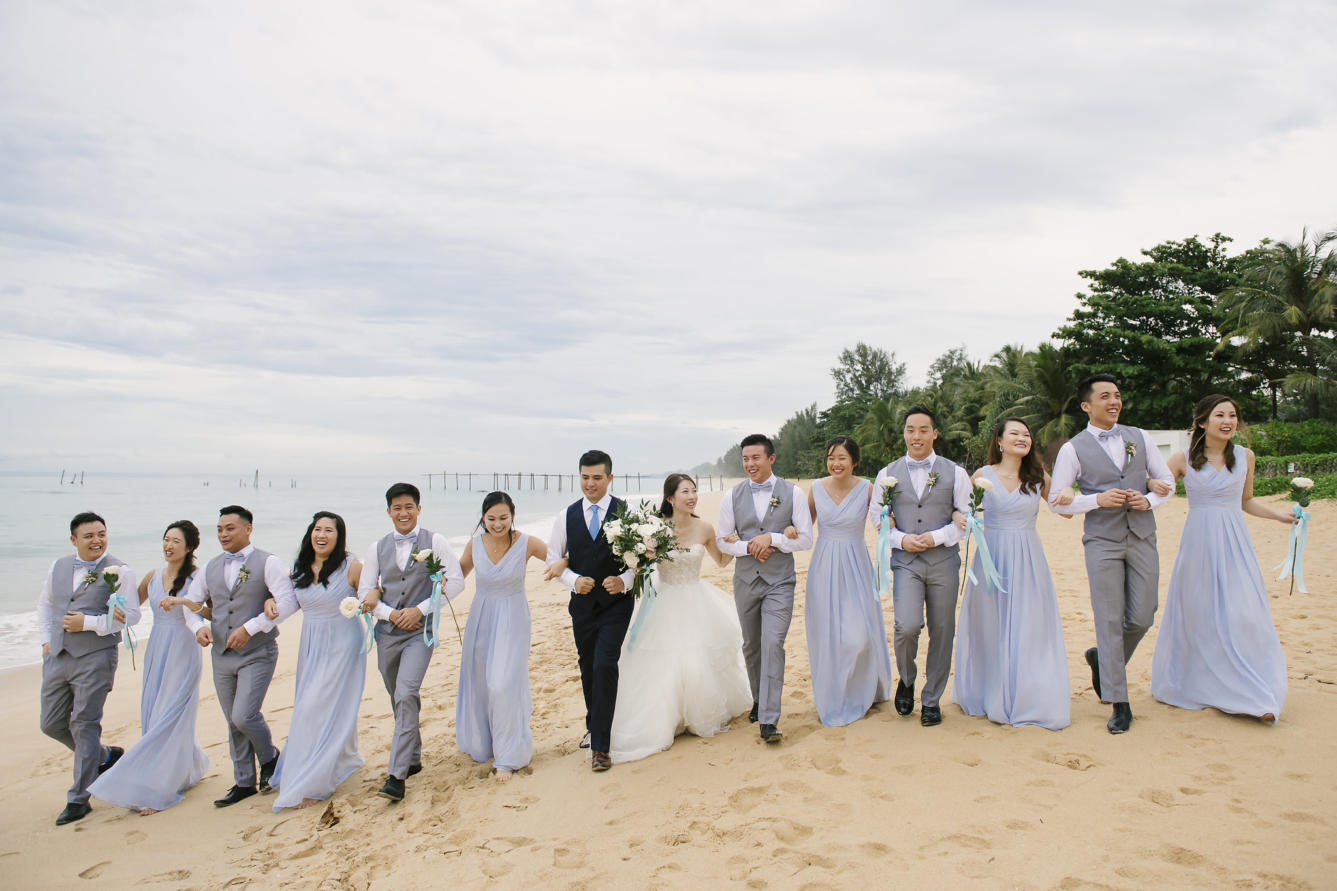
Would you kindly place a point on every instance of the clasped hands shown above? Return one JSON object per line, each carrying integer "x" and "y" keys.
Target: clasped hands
{"x": 760, "y": 547}
{"x": 407, "y": 619}
{"x": 584, "y": 585}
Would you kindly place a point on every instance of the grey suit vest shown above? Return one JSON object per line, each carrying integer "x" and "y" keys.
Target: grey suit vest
{"x": 402, "y": 588}
{"x": 91, "y": 600}
{"x": 235, "y": 607}
{"x": 779, "y": 567}
{"x": 916, "y": 514}
{"x": 1099, "y": 475}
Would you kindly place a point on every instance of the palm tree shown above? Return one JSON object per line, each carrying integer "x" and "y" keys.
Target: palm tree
{"x": 879, "y": 434}
{"x": 1049, "y": 398}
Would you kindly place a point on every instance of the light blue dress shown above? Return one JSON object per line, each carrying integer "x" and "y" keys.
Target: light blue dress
{"x": 1216, "y": 647}
{"x": 847, "y": 636}
{"x": 493, "y": 708}
{"x": 167, "y": 760}
{"x": 321, "y": 751}
{"x": 1010, "y": 660}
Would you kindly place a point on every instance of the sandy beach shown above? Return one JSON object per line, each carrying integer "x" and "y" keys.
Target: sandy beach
{"x": 1186, "y": 799}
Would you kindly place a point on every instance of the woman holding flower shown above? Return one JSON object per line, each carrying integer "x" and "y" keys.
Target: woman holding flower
{"x": 155, "y": 773}
{"x": 1010, "y": 661}
{"x": 493, "y": 708}
{"x": 321, "y": 751}
{"x": 1217, "y": 647}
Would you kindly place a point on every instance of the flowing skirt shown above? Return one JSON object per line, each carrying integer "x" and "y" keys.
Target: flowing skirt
{"x": 493, "y": 709}
{"x": 847, "y": 636}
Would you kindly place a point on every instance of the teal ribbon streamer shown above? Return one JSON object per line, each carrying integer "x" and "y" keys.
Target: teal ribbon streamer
{"x": 1296, "y": 548}
{"x": 648, "y": 595}
{"x": 975, "y": 529}
{"x": 882, "y": 568}
{"x": 128, "y": 633}
{"x": 429, "y": 631}
{"x": 370, "y": 621}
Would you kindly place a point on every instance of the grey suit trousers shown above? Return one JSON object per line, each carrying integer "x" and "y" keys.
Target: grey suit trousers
{"x": 74, "y": 689}
{"x": 242, "y": 680}
{"x": 917, "y": 590}
{"x": 1124, "y": 578}
{"x": 765, "y": 610}
{"x": 403, "y": 660}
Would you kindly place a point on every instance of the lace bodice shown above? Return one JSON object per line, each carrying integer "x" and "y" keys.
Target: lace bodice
{"x": 684, "y": 568}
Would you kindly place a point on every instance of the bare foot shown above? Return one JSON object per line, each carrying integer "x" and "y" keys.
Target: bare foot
{"x": 307, "y": 802}
{"x": 147, "y": 812}
{"x": 502, "y": 775}
{"x": 1268, "y": 718}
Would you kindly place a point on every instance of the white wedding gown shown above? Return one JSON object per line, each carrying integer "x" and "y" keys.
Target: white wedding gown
{"x": 684, "y": 670}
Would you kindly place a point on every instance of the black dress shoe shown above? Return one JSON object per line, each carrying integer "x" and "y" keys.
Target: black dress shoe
{"x": 752, "y": 715}
{"x": 266, "y": 772}
{"x": 393, "y": 789}
{"x": 771, "y": 734}
{"x": 73, "y": 812}
{"x": 905, "y": 699}
{"x": 1093, "y": 660}
{"x": 234, "y": 795}
{"x": 930, "y": 715}
{"x": 1122, "y": 718}
{"x": 585, "y": 740}
{"x": 414, "y": 769}
{"x": 114, "y": 754}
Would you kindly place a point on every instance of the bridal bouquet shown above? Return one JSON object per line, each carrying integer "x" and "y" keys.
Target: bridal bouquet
{"x": 641, "y": 539}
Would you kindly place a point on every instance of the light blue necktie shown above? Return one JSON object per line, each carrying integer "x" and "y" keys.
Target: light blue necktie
{"x": 594, "y": 521}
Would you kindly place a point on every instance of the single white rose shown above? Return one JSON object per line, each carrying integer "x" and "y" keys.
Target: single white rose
{"x": 640, "y": 547}
{"x": 644, "y": 530}
{"x": 613, "y": 528}
{"x": 422, "y": 555}
{"x": 631, "y": 561}
{"x": 115, "y": 571}
{"x": 889, "y": 482}
{"x": 350, "y": 607}
{"x": 984, "y": 484}
{"x": 1302, "y": 482}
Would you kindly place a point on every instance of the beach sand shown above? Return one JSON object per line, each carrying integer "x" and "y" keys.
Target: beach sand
{"x": 1186, "y": 799}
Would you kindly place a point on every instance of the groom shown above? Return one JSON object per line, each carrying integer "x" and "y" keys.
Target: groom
{"x": 759, "y": 510}
{"x": 600, "y": 610}
{"x": 245, "y": 643}
{"x": 1111, "y": 465}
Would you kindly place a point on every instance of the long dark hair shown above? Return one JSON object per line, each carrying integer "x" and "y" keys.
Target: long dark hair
{"x": 491, "y": 500}
{"x": 849, "y": 445}
{"x": 1197, "y": 439}
{"x": 1032, "y": 473}
{"x": 191, "y": 534}
{"x": 671, "y": 485}
{"x": 302, "y": 576}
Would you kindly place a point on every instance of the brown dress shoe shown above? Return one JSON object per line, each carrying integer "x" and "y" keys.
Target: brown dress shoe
{"x": 600, "y": 761}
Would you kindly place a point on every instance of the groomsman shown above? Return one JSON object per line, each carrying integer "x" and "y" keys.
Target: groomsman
{"x": 925, "y": 559}
{"x": 403, "y": 593}
{"x": 1111, "y": 465}
{"x": 79, "y": 641}
{"x": 245, "y": 643}
{"x": 759, "y": 510}
{"x": 600, "y": 613}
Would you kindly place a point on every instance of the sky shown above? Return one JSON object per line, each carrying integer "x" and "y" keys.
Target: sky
{"x": 332, "y": 236}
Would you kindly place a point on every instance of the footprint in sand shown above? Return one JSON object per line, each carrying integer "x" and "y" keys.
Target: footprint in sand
{"x": 827, "y": 763}
{"x": 957, "y": 840}
{"x": 1181, "y": 856}
{"x": 568, "y": 858}
{"x": 1157, "y": 796}
{"x": 95, "y": 870}
{"x": 1302, "y": 817}
{"x": 172, "y": 875}
{"x": 135, "y": 836}
{"x": 1070, "y": 760}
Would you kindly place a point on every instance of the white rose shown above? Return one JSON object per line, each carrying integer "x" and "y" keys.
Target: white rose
{"x": 644, "y": 530}
{"x": 350, "y": 607}
{"x": 114, "y": 571}
{"x": 631, "y": 561}
{"x": 1302, "y": 482}
{"x": 889, "y": 482}
{"x": 422, "y": 555}
{"x": 613, "y": 528}
{"x": 983, "y": 484}
{"x": 640, "y": 547}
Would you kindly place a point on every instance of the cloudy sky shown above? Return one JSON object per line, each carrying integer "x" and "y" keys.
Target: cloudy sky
{"x": 485, "y": 235}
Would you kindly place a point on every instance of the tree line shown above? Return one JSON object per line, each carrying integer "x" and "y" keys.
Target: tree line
{"x": 1189, "y": 318}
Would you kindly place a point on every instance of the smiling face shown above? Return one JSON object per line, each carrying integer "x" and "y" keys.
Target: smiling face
{"x": 234, "y": 533}
{"x": 839, "y": 463}
{"x": 594, "y": 482}
{"x": 90, "y": 540}
{"x": 920, "y": 434}
{"x": 1222, "y": 422}
{"x": 683, "y": 499}
{"x": 174, "y": 547}
{"x": 324, "y": 536}
{"x": 1103, "y": 405}
{"x": 498, "y": 519}
{"x": 756, "y": 463}
{"x": 403, "y": 512}
{"x": 1016, "y": 440}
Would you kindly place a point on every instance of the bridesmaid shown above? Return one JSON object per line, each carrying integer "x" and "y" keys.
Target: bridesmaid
{"x": 321, "y": 751}
{"x": 167, "y": 760}
{"x": 847, "y": 637}
{"x": 493, "y": 708}
{"x": 1010, "y": 660}
{"x": 1217, "y": 647}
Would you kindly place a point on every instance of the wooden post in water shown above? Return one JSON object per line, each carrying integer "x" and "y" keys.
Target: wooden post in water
{"x": 62, "y": 476}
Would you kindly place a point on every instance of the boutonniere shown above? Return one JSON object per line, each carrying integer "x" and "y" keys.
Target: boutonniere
{"x": 244, "y": 573}
{"x": 932, "y": 481}
{"x": 1129, "y": 449}
{"x": 112, "y": 576}
{"x": 889, "y": 490}
{"x": 775, "y": 501}
{"x": 90, "y": 577}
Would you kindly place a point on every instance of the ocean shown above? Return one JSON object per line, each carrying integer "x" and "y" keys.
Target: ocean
{"x": 35, "y": 512}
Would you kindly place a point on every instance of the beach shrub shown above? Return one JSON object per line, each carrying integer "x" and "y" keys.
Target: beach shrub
{"x": 1286, "y": 438}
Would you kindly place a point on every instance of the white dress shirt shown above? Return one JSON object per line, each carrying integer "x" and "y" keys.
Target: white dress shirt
{"x": 800, "y": 518}
{"x": 276, "y": 580}
{"x": 102, "y": 625}
{"x": 452, "y": 576}
{"x": 1067, "y": 468}
{"x": 944, "y": 535}
{"x": 557, "y": 541}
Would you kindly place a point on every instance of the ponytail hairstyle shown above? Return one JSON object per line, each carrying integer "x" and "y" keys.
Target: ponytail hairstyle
{"x": 670, "y": 488}
{"x": 191, "y": 534}
{"x": 491, "y": 500}
{"x": 1197, "y": 438}
{"x": 302, "y": 576}
{"x": 1032, "y": 472}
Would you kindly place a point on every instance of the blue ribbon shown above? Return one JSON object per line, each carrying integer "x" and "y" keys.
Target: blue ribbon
{"x": 128, "y": 633}
{"x": 882, "y": 565}
{"x": 370, "y": 621}
{"x": 1296, "y": 549}
{"x": 648, "y": 595}
{"x": 429, "y": 631}
{"x": 975, "y": 529}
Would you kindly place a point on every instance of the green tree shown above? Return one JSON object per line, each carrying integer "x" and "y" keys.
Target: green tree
{"x": 794, "y": 443}
{"x": 867, "y": 374}
{"x": 1048, "y": 402}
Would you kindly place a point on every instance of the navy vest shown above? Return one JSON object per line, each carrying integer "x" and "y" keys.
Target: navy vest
{"x": 591, "y": 558}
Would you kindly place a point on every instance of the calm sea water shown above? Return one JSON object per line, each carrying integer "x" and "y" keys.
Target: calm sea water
{"x": 35, "y": 512}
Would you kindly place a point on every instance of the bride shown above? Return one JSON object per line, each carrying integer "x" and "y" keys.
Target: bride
{"x": 681, "y": 666}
